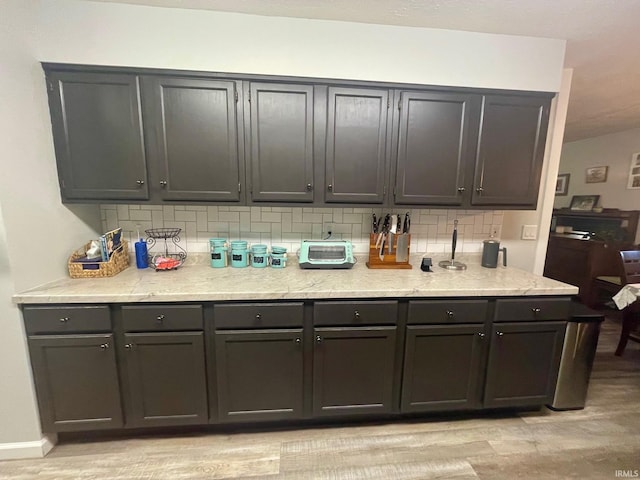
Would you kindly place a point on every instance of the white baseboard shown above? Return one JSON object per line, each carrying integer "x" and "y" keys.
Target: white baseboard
{"x": 35, "y": 449}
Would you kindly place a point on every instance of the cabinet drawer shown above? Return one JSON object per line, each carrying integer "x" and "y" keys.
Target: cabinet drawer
{"x": 355, "y": 313}
{"x": 531, "y": 309}
{"x": 447, "y": 311}
{"x": 76, "y": 319}
{"x": 151, "y": 318}
{"x": 258, "y": 315}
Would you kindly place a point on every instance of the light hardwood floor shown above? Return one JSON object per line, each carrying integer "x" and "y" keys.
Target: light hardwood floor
{"x": 589, "y": 443}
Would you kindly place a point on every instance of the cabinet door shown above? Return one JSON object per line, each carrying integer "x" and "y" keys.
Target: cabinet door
{"x": 523, "y": 363}
{"x": 353, "y": 370}
{"x": 441, "y": 368}
{"x": 259, "y": 374}
{"x": 281, "y": 142}
{"x": 167, "y": 383}
{"x": 434, "y": 147}
{"x": 97, "y": 132}
{"x": 76, "y": 381}
{"x": 356, "y": 166}
{"x": 194, "y": 123}
{"x": 510, "y": 152}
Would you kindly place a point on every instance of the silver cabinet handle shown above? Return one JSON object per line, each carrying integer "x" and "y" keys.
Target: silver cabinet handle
{"x": 309, "y": 187}
{"x": 356, "y": 314}
{"x": 140, "y": 182}
{"x": 104, "y": 346}
{"x": 298, "y": 341}
{"x": 479, "y": 189}
{"x": 318, "y": 339}
{"x": 258, "y": 316}
{"x": 535, "y": 310}
{"x": 500, "y": 334}
{"x": 449, "y": 313}
{"x": 64, "y": 319}
{"x": 460, "y": 189}
{"x": 330, "y": 188}
{"x": 160, "y": 318}
{"x": 128, "y": 346}
{"x": 163, "y": 183}
{"x": 481, "y": 335}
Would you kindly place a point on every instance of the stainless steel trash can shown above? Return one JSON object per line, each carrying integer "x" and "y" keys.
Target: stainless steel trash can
{"x": 578, "y": 353}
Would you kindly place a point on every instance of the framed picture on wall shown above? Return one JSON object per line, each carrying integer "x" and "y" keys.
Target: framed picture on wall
{"x": 562, "y": 184}
{"x": 597, "y": 174}
{"x": 584, "y": 203}
{"x": 634, "y": 172}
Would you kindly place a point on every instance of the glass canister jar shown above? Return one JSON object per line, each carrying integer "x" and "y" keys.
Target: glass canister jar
{"x": 278, "y": 257}
{"x": 259, "y": 256}
{"x": 239, "y": 254}
{"x": 218, "y": 248}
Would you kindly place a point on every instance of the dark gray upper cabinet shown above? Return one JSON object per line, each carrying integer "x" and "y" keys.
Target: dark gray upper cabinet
{"x": 356, "y": 145}
{"x": 97, "y": 132}
{"x": 194, "y": 154}
{"x": 280, "y": 142}
{"x": 510, "y": 151}
{"x": 435, "y": 145}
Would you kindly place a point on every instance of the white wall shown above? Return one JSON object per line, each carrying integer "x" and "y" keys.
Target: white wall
{"x": 36, "y": 231}
{"x": 528, "y": 254}
{"x": 40, "y": 232}
{"x": 120, "y": 34}
{"x": 613, "y": 150}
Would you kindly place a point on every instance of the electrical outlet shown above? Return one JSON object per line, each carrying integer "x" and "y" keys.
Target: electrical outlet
{"x": 529, "y": 232}
{"x": 496, "y": 231}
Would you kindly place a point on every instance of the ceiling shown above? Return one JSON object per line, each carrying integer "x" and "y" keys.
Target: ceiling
{"x": 603, "y": 40}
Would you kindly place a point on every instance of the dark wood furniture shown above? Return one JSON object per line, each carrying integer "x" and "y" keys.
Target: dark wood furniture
{"x": 610, "y": 225}
{"x": 147, "y": 135}
{"x": 631, "y": 313}
{"x": 577, "y": 261}
{"x": 133, "y": 365}
{"x": 591, "y": 250}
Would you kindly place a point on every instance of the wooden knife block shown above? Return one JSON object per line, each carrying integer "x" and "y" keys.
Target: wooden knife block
{"x": 389, "y": 260}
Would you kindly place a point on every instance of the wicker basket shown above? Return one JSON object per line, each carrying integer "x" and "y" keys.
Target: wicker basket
{"x": 119, "y": 261}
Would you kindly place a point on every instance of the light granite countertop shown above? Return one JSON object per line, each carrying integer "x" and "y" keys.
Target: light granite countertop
{"x": 197, "y": 281}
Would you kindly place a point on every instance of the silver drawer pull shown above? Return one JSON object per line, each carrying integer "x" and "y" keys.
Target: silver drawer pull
{"x": 128, "y": 346}
{"x": 318, "y": 339}
{"x": 449, "y": 314}
{"x": 160, "y": 318}
{"x": 104, "y": 346}
{"x": 535, "y": 310}
{"x": 481, "y": 335}
{"x": 64, "y": 319}
{"x": 258, "y": 316}
{"x": 356, "y": 314}
{"x": 500, "y": 334}
{"x": 298, "y": 341}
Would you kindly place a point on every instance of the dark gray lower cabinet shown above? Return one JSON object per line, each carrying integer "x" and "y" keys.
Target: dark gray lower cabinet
{"x": 353, "y": 370}
{"x": 523, "y": 363}
{"x": 166, "y": 378}
{"x": 442, "y": 367}
{"x": 260, "y": 374}
{"x": 76, "y": 380}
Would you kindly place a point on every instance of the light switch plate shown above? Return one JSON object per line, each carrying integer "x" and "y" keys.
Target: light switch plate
{"x": 529, "y": 232}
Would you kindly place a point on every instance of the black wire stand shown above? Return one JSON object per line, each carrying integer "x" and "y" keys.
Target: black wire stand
{"x": 169, "y": 245}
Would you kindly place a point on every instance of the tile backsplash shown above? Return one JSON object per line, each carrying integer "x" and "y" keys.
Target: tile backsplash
{"x": 286, "y": 226}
